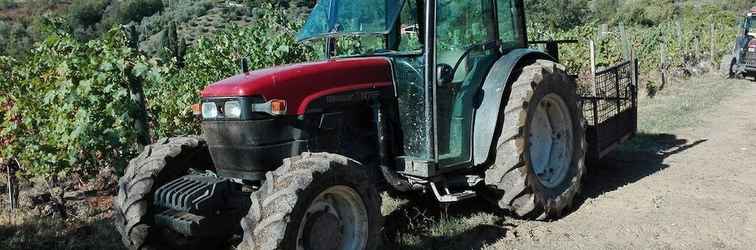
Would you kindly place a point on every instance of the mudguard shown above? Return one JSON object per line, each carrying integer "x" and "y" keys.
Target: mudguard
{"x": 487, "y": 115}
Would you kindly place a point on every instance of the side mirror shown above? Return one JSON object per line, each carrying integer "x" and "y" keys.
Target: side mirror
{"x": 244, "y": 64}
{"x": 444, "y": 74}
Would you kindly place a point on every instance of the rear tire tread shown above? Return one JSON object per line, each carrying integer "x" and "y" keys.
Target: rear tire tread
{"x": 509, "y": 173}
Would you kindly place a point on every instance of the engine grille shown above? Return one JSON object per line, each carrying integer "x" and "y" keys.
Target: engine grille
{"x": 190, "y": 193}
{"x": 749, "y": 59}
{"x": 201, "y": 205}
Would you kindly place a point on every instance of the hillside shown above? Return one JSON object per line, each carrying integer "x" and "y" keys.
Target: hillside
{"x": 20, "y": 21}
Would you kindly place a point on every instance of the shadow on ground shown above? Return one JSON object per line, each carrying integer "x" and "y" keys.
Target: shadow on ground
{"x": 422, "y": 224}
{"x": 642, "y": 156}
{"x": 51, "y": 233}
{"x": 88, "y": 224}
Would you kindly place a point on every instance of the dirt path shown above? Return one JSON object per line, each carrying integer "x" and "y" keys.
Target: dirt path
{"x": 698, "y": 192}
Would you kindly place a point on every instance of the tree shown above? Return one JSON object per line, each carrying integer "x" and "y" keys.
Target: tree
{"x": 172, "y": 46}
{"x": 558, "y": 15}
{"x": 605, "y": 10}
{"x": 136, "y": 10}
{"x": 85, "y": 13}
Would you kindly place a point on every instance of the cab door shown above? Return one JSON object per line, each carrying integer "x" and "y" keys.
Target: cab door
{"x": 438, "y": 89}
{"x": 466, "y": 47}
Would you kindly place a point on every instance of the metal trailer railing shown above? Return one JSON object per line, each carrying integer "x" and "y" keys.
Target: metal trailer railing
{"x": 611, "y": 109}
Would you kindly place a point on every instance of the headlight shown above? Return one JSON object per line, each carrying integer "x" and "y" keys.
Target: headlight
{"x": 232, "y": 109}
{"x": 209, "y": 110}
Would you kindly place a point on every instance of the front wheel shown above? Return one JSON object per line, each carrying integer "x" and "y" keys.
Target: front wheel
{"x": 158, "y": 164}
{"x": 540, "y": 157}
{"x": 314, "y": 201}
{"x": 727, "y": 67}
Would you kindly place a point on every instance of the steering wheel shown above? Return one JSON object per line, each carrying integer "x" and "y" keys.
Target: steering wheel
{"x": 468, "y": 50}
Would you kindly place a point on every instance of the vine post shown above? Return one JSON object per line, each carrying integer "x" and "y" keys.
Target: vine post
{"x": 11, "y": 167}
{"x": 713, "y": 45}
{"x": 592, "y": 46}
{"x": 136, "y": 89}
{"x": 626, "y": 46}
{"x": 663, "y": 62}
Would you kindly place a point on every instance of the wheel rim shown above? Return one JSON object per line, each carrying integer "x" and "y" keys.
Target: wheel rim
{"x": 551, "y": 141}
{"x": 336, "y": 219}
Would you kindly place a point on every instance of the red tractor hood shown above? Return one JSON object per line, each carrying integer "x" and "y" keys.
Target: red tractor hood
{"x": 300, "y": 84}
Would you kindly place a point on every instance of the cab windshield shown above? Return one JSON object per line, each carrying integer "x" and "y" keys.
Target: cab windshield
{"x": 334, "y": 18}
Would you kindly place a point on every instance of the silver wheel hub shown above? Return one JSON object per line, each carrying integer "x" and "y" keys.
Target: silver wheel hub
{"x": 336, "y": 219}
{"x": 550, "y": 142}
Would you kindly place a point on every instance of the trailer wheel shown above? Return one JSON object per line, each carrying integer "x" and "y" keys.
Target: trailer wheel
{"x": 158, "y": 164}
{"x": 540, "y": 157}
{"x": 314, "y": 201}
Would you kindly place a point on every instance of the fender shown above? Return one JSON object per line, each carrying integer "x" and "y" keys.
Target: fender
{"x": 495, "y": 88}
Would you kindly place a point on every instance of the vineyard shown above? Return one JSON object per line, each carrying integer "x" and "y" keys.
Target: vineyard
{"x": 672, "y": 45}
{"x": 67, "y": 106}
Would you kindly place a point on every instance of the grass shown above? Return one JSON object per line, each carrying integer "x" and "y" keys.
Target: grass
{"x": 424, "y": 224}
{"x": 680, "y": 105}
{"x": 672, "y": 107}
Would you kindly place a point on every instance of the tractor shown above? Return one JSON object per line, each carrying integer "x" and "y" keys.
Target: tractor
{"x": 452, "y": 103}
{"x": 742, "y": 61}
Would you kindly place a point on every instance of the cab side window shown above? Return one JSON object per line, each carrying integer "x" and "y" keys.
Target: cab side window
{"x": 508, "y": 30}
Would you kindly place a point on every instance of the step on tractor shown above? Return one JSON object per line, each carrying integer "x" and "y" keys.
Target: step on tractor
{"x": 741, "y": 62}
{"x": 452, "y": 103}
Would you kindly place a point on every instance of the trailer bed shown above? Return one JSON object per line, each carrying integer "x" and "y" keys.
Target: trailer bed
{"x": 610, "y": 107}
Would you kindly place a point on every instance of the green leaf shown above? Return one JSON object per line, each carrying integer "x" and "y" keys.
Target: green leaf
{"x": 85, "y": 85}
{"x": 106, "y": 66}
{"x": 140, "y": 69}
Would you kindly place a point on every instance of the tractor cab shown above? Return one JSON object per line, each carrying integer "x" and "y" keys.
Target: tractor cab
{"x": 742, "y": 61}
{"x": 748, "y": 28}
{"x": 441, "y": 52}
{"x": 748, "y": 23}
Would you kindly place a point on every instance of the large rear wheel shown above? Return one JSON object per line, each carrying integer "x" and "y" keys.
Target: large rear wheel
{"x": 314, "y": 201}
{"x": 540, "y": 157}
